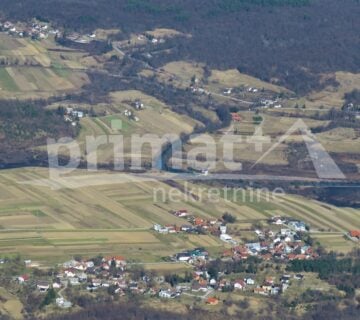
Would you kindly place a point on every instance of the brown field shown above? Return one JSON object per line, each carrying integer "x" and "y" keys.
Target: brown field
{"x": 341, "y": 140}
{"x": 233, "y": 78}
{"x": 330, "y": 96}
{"x": 164, "y": 33}
{"x": 334, "y": 97}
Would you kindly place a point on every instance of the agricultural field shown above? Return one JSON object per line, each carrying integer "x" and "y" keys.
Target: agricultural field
{"x": 331, "y": 96}
{"x": 233, "y": 78}
{"x": 10, "y": 305}
{"x": 33, "y": 69}
{"x": 182, "y": 72}
{"x": 341, "y": 140}
{"x": 164, "y": 33}
{"x": 51, "y": 225}
{"x": 156, "y": 118}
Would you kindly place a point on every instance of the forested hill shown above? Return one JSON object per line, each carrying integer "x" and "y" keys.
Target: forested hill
{"x": 289, "y": 41}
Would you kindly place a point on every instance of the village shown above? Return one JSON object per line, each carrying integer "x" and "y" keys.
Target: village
{"x": 41, "y": 30}
{"x": 235, "y": 270}
{"x": 36, "y": 30}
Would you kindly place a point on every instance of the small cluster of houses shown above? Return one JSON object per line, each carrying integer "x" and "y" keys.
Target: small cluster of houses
{"x": 73, "y": 116}
{"x": 138, "y": 105}
{"x": 152, "y": 39}
{"x": 285, "y": 244}
{"x": 352, "y": 109}
{"x": 34, "y": 30}
{"x": 293, "y": 224}
{"x": 192, "y": 256}
{"x": 198, "y": 90}
{"x": 194, "y": 225}
{"x": 197, "y": 225}
{"x": 252, "y": 90}
{"x": 227, "y": 91}
{"x": 268, "y": 103}
{"x": 130, "y": 115}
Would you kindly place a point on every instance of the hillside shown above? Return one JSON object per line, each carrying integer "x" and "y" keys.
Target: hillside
{"x": 287, "y": 42}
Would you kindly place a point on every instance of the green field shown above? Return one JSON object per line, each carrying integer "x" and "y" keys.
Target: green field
{"x": 50, "y": 225}
{"x": 36, "y": 69}
{"x": 6, "y": 81}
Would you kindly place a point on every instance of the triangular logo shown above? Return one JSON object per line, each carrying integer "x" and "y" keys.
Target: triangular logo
{"x": 324, "y": 165}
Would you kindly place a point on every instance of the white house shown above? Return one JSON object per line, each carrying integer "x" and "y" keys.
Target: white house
{"x": 225, "y": 237}
{"x": 223, "y": 229}
{"x": 297, "y": 225}
{"x": 43, "y": 286}
{"x": 249, "y": 281}
{"x": 239, "y": 285}
{"x": 167, "y": 294}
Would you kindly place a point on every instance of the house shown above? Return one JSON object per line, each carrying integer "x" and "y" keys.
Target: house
{"x": 223, "y": 229}
{"x": 23, "y": 278}
{"x": 171, "y": 228}
{"x": 96, "y": 282}
{"x": 236, "y": 117}
{"x": 70, "y": 273}
{"x": 298, "y": 276}
{"x": 62, "y": 303}
{"x": 78, "y": 114}
{"x": 212, "y": 282}
{"x": 212, "y": 301}
{"x": 225, "y": 237}
{"x": 260, "y": 290}
{"x": 197, "y": 287}
{"x": 355, "y": 234}
{"x": 249, "y": 281}
{"x": 183, "y": 256}
{"x": 181, "y": 213}
{"x": 269, "y": 280}
{"x": 228, "y": 91}
{"x": 160, "y": 229}
{"x": 186, "y": 228}
{"x": 253, "y": 248}
{"x": 43, "y": 286}
{"x": 82, "y": 276}
{"x": 239, "y": 284}
{"x": 285, "y": 278}
{"x": 299, "y": 226}
{"x": 275, "y": 290}
{"x": 277, "y": 220}
{"x": 199, "y": 221}
{"x": 167, "y": 294}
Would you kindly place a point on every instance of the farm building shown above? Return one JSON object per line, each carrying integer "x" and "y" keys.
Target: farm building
{"x": 355, "y": 234}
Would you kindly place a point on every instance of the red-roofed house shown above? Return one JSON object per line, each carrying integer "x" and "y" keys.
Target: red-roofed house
{"x": 355, "y": 234}
{"x": 236, "y": 117}
{"x": 239, "y": 284}
{"x": 212, "y": 301}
